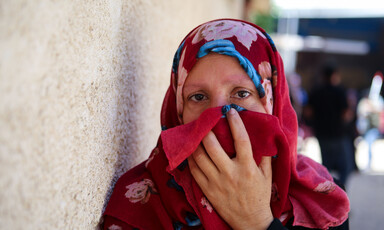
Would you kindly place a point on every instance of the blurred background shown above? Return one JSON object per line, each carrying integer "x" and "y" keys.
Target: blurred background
{"x": 333, "y": 53}
{"x": 81, "y": 87}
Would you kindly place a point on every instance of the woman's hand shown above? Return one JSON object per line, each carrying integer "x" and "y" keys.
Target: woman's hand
{"x": 238, "y": 189}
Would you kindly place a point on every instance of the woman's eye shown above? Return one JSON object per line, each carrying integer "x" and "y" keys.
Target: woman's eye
{"x": 197, "y": 97}
{"x": 242, "y": 94}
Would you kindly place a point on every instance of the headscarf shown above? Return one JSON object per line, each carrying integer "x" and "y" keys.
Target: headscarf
{"x": 162, "y": 192}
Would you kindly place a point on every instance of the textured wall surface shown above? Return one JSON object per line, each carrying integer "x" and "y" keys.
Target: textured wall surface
{"x": 81, "y": 86}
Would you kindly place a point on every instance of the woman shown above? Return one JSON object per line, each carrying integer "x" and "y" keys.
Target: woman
{"x": 226, "y": 158}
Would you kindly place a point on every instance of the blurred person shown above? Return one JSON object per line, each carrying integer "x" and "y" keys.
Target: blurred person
{"x": 328, "y": 114}
{"x": 298, "y": 95}
{"x": 369, "y": 112}
{"x": 226, "y": 158}
{"x": 299, "y": 98}
{"x": 351, "y": 124}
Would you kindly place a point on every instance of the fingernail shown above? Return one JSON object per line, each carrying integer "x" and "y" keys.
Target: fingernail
{"x": 232, "y": 111}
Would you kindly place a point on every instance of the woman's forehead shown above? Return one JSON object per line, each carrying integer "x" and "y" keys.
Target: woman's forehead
{"x": 228, "y": 68}
{"x": 215, "y": 61}
{"x": 217, "y": 68}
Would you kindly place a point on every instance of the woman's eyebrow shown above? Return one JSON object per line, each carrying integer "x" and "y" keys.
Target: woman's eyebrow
{"x": 192, "y": 86}
{"x": 239, "y": 79}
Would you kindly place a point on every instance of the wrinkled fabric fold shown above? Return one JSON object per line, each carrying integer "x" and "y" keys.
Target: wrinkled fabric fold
{"x": 181, "y": 141}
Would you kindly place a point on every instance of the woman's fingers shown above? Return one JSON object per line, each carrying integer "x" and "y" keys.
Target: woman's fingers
{"x": 204, "y": 163}
{"x": 240, "y": 136}
{"x": 216, "y": 153}
{"x": 196, "y": 172}
{"x": 266, "y": 167}
{"x": 238, "y": 189}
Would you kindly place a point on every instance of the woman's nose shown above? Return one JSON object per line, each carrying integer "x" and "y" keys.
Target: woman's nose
{"x": 219, "y": 100}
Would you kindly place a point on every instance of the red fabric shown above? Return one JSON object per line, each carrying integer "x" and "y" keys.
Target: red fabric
{"x": 267, "y": 140}
{"x": 262, "y": 138}
{"x": 162, "y": 194}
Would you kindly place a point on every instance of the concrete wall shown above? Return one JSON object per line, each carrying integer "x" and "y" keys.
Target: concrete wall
{"x": 81, "y": 85}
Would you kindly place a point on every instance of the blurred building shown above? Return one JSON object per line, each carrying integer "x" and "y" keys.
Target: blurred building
{"x": 311, "y": 33}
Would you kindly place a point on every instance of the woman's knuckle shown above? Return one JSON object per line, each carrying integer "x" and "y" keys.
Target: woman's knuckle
{"x": 249, "y": 172}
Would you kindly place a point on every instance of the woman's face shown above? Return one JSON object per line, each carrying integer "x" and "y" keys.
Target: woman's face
{"x": 218, "y": 80}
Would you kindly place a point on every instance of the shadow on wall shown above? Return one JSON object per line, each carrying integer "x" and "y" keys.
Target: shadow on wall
{"x": 130, "y": 77}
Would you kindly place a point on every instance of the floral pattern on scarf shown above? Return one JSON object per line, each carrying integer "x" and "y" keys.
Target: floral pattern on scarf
{"x": 140, "y": 191}
{"x": 244, "y": 33}
{"x": 206, "y": 204}
{"x": 325, "y": 187}
{"x": 265, "y": 71}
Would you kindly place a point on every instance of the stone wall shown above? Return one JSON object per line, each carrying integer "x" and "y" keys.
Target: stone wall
{"x": 81, "y": 86}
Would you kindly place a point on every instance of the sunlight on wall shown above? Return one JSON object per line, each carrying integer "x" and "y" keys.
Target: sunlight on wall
{"x": 81, "y": 86}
